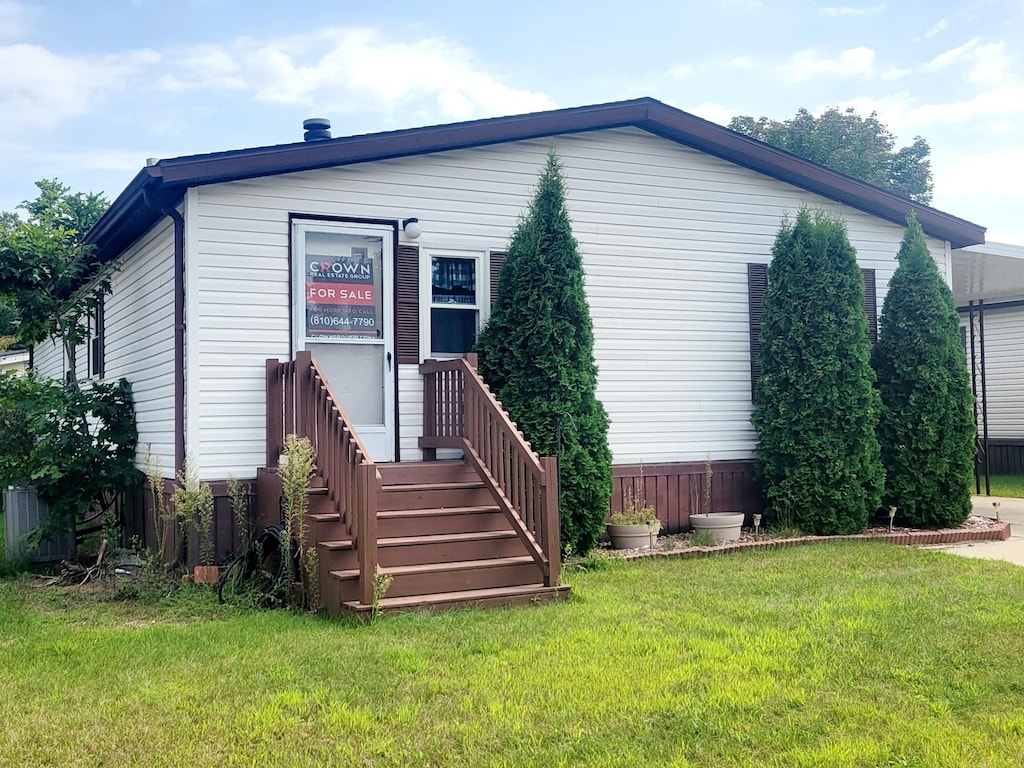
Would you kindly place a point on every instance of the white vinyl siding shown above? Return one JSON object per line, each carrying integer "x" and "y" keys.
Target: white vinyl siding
{"x": 139, "y": 337}
{"x": 665, "y": 232}
{"x": 48, "y": 359}
{"x": 1004, "y": 371}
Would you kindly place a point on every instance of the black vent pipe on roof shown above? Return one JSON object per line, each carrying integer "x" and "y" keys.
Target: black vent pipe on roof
{"x": 316, "y": 128}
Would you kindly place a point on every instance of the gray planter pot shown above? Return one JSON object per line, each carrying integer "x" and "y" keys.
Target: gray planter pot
{"x": 724, "y": 526}
{"x": 633, "y": 536}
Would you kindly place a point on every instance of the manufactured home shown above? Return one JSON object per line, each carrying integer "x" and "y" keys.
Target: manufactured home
{"x": 331, "y": 286}
{"x": 988, "y": 284}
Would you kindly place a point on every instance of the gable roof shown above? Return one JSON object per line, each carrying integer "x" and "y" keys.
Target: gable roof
{"x": 162, "y": 185}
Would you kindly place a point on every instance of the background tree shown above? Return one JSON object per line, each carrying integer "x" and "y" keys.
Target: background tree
{"x": 926, "y": 429}
{"x": 846, "y": 142}
{"x": 45, "y": 277}
{"x": 537, "y": 355}
{"x": 817, "y": 407}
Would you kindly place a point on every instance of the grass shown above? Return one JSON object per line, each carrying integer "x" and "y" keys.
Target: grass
{"x": 850, "y": 654}
{"x": 1006, "y": 485}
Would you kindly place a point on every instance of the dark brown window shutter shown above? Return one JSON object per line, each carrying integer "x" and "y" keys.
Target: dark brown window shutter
{"x": 870, "y": 303}
{"x": 497, "y": 262}
{"x": 407, "y": 327}
{"x": 757, "y": 284}
{"x": 97, "y": 364}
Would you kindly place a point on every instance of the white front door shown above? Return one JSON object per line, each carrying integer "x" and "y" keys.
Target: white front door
{"x": 342, "y": 275}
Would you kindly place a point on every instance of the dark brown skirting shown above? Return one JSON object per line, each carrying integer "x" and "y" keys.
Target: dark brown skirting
{"x": 1005, "y": 456}
{"x": 138, "y": 518}
{"x": 676, "y": 490}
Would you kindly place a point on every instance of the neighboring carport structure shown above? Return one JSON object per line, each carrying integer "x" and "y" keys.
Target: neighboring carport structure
{"x": 988, "y": 284}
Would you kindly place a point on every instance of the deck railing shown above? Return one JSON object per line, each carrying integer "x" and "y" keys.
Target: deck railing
{"x": 459, "y": 411}
{"x": 300, "y": 401}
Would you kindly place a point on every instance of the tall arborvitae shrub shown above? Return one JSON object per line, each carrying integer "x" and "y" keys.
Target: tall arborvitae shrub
{"x": 537, "y": 355}
{"x": 926, "y": 429}
{"x": 817, "y": 407}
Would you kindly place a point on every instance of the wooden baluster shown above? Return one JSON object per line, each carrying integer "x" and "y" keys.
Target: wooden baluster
{"x": 275, "y": 402}
{"x": 367, "y": 482}
{"x": 549, "y": 510}
{"x": 430, "y": 407}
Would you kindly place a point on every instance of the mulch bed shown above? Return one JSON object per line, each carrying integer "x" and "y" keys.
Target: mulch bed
{"x": 975, "y": 528}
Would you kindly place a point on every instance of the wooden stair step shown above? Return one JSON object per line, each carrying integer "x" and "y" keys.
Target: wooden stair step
{"x": 459, "y": 565}
{"x": 497, "y": 596}
{"x": 392, "y": 473}
{"x": 462, "y": 493}
{"x": 452, "y": 576}
{"x": 445, "y": 538}
{"x": 325, "y": 517}
{"x": 447, "y": 486}
{"x": 387, "y": 514}
{"x": 339, "y": 544}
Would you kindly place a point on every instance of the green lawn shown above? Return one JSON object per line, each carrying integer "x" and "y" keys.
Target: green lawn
{"x": 1006, "y": 485}
{"x": 849, "y": 654}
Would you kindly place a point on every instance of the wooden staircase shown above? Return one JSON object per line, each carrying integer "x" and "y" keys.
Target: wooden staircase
{"x": 480, "y": 532}
{"x": 440, "y": 537}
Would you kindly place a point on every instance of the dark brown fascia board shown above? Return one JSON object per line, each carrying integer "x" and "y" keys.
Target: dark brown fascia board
{"x": 312, "y": 155}
{"x": 169, "y": 178}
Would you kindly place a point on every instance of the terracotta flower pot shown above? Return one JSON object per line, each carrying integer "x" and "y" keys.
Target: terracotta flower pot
{"x": 206, "y": 574}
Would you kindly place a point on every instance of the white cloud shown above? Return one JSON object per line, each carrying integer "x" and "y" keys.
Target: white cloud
{"x": 940, "y": 26}
{"x": 991, "y": 65}
{"x": 953, "y": 55}
{"x": 991, "y": 173}
{"x": 716, "y": 113}
{"x": 681, "y": 71}
{"x": 895, "y": 73}
{"x": 43, "y": 88}
{"x": 846, "y": 11}
{"x": 904, "y": 113}
{"x": 348, "y": 69}
{"x": 811, "y": 63}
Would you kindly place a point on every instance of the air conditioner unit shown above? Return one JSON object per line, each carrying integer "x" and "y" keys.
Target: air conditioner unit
{"x": 24, "y": 512}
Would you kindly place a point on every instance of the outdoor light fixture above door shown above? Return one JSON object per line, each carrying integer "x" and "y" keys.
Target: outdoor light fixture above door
{"x": 412, "y": 228}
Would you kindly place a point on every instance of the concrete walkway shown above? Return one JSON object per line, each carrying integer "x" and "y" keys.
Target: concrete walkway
{"x": 1011, "y": 550}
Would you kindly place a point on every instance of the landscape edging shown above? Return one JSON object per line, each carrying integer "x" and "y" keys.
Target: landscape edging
{"x": 906, "y": 538}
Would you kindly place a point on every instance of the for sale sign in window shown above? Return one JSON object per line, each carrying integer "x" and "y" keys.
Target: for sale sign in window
{"x": 343, "y": 286}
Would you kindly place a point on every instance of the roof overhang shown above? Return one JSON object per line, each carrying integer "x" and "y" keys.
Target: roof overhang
{"x": 993, "y": 272}
{"x": 163, "y": 184}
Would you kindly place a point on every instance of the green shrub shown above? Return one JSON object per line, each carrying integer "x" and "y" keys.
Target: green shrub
{"x": 817, "y": 407}
{"x": 537, "y": 354}
{"x": 75, "y": 447}
{"x": 926, "y": 429}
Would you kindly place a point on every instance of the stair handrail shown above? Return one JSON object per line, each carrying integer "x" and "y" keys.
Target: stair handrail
{"x": 460, "y": 411}
{"x": 300, "y": 401}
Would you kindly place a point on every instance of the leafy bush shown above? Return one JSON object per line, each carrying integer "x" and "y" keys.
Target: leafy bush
{"x": 75, "y": 447}
{"x": 926, "y": 430}
{"x": 817, "y": 407}
{"x": 537, "y": 354}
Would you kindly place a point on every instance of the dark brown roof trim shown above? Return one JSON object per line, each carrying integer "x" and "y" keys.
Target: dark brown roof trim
{"x": 128, "y": 217}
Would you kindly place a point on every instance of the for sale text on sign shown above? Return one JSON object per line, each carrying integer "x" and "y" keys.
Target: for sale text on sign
{"x": 341, "y": 296}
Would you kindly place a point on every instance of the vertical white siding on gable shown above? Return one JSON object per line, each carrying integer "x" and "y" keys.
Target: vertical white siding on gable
{"x": 665, "y": 232}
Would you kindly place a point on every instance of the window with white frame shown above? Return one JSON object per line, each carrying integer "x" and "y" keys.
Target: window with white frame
{"x": 456, "y": 292}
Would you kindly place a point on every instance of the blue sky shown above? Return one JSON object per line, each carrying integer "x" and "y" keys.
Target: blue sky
{"x": 89, "y": 90}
